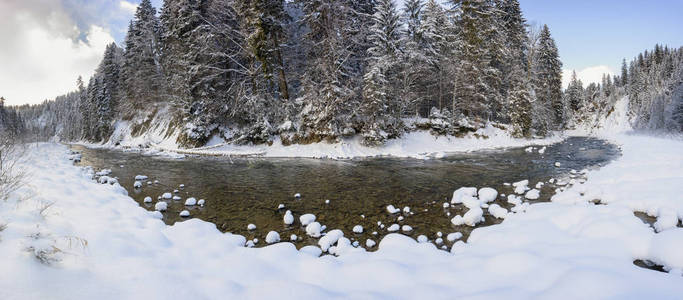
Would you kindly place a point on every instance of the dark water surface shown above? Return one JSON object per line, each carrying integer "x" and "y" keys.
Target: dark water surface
{"x": 249, "y": 190}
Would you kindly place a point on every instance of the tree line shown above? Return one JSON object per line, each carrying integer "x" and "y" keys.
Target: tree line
{"x": 313, "y": 70}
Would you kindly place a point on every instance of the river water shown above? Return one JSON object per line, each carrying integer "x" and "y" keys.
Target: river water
{"x": 248, "y": 190}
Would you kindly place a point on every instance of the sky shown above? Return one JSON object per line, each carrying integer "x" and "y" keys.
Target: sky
{"x": 46, "y": 44}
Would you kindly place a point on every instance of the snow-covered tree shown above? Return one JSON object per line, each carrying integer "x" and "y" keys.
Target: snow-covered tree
{"x": 548, "y": 79}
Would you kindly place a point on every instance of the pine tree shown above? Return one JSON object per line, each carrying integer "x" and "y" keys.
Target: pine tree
{"x": 437, "y": 48}
{"x": 575, "y": 93}
{"x": 380, "y": 107}
{"x": 548, "y": 79}
{"x": 143, "y": 82}
{"x": 520, "y": 102}
{"x": 624, "y": 73}
{"x": 413, "y": 60}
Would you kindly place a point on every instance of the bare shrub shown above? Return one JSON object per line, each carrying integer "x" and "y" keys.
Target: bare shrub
{"x": 12, "y": 152}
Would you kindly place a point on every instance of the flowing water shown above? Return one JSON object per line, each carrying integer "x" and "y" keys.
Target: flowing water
{"x": 248, "y": 190}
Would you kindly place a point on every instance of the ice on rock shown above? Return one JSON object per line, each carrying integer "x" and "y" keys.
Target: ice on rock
{"x": 272, "y": 237}
{"x": 462, "y": 192}
{"x": 147, "y": 200}
{"x": 288, "y": 218}
{"x": 452, "y": 237}
{"x": 313, "y": 229}
{"x": 487, "y": 194}
{"x": 251, "y": 227}
{"x": 392, "y": 210}
{"x": 307, "y": 219}
{"x": 370, "y": 243}
{"x": 473, "y": 216}
{"x": 393, "y": 228}
{"x": 497, "y": 211}
{"x": 457, "y": 220}
{"x": 140, "y": 177}
{"x": 161, "y": 206}
{"x": 137, "y": 184}
{"x": 293, "y": 237}
{"x": 330, "y": 239}
{"x": 281, "y": 206}
{"x": 358, "y": 229}
{"x": 191, "y": 201}
{"x": 406, "y": 228}
{"x": 422, "y": 238}
{"x": 185, "y": 213}
{"x": 532, "y": 194}
{"x": 201, "y": 202}
{"x": 177, "y": 198}
{"x": 521, "y": 186}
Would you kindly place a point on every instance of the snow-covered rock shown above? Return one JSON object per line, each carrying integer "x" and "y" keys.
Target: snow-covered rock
{"x": 313, "y": 229}
{"x": 167, "y": 196}
{"x": 306, "y": 219}
{"x": 161, "y": 206}
{"x": 392, "y": 210}
{"x": 201, "y": 202}
{"x": 140, "y": 177}
{"x": 463, "y": 192}
{"x": 393, "y": 228}
{"x": 191, "y": 201}
{"x": 453, "y": 236}
{"x": 280, "y": 206}
{"x": 137, "y": 184}
{"x": 532, "y": 194}
{"x": 487, "y": 194}
{"x": 521, "y": 186}
{"x": 272, "y": 237}
{"x": 473, "y": 216}
{"x": 288, "y": 218}
{"x": 406, "y": 228}
{"x": 422, "y": 238}
{"x": 297, "y": 195}
{"x": 358, "y": 229}
{"x": 497, "y": 211}
{"x": 177, "y": 198}
{"x": 330, "y": 239}
{"x": 457, "y": 220}
{"x": 370, "y": 243}
{"x": 251, "y": 227}
{"x": 185, "y": 213}
{"x": 147, "y": 200}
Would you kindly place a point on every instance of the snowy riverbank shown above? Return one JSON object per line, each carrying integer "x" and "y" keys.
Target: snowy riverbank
{"x": 416, "y": 144}
{"x": 105, "y": 246}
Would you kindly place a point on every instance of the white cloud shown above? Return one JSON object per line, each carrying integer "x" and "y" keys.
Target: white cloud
{"x": 41, "y": 55}
{"x": 128, "y": 6}
{"x": 587, "y": 75}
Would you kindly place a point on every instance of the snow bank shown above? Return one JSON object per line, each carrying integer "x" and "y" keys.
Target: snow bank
{"x": 572, "y": 250}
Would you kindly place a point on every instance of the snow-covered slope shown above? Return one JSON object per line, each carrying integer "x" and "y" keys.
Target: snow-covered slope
{"x": 99, "y": 244}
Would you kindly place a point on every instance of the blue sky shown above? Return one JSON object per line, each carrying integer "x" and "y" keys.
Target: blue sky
{"x": 47, "y": 44}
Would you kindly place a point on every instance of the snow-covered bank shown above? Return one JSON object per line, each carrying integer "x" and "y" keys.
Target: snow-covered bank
{"x": 107, "y": 247}
{"x": 416, "y": 144}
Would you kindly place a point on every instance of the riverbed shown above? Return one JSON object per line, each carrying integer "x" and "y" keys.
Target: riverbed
{"x": 344, "y": 193}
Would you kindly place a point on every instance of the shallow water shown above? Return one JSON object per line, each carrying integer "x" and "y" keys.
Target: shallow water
{"x": 249, "y": 190}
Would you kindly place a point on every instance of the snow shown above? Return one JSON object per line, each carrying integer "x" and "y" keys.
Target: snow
{"x": 272, "y": 237}
{"x": 288, "y": 218}
{"x": 306, "y": 219}
{"x": 452, "y": 237}
{"x": 190, "y": 201}
{"x": 185, "y": 213}
{"x": 406, "y": 228}
{"x": 297, "y": 195}
{"x": 370, "y": 243}
{"x": 281, "y": 206}
{"x": 462, "y": 193}
{"x": 422, "y": 238}
{"x": 147, "y": 200}
{"x": 532, "y": 194}
{"x": 201, "y": 202}
{"x": 487, "y": 194}
{"x": 567, "y": 248}
{"x": 497, "y": 211}
{"x": 161, "y": 206}
{"x": 293, "y": 237}
{"x": 521, "y": 186}
{"x": 393, "y": 228}
{"x": 313, "y": 229}
{"x": 358, "y": 229}
{"x": 392, "y": 210}
{"x": 140, "y": 177}
{"x": 251, "y": 227}
{"x": 167, "y": 196}
{"x": 137, "y": 184}
{"x": 416, "y": 144}
{"x": 473, "y": 216}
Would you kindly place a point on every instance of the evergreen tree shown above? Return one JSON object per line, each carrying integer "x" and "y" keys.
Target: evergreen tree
{"x": 624, "y": 73}
{"x": 575, "y": 93}
{"x": 380, "y": 106}
{"x": 548, "y": 79}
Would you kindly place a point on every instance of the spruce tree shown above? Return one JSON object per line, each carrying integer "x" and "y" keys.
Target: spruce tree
{"x": 548, "y": 79}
